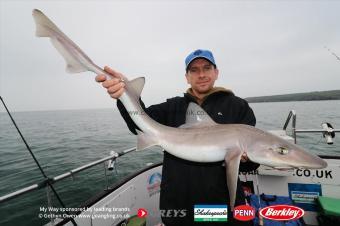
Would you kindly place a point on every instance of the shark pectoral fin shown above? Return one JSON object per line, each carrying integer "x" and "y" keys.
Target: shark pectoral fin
{"x": 232, "y": 162}
{"x": 145, "y": 141}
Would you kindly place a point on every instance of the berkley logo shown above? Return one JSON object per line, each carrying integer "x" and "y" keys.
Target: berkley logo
{"x": 244, "y": 213}
{"x": 282, "y": 212}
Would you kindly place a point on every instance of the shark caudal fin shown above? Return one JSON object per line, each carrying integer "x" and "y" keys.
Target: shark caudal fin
{"x": 76, "y": 60}
{"x": 44, "y": 26}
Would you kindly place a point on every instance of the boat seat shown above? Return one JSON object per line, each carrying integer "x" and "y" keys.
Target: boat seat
{"x": 329, "y": 206}
{"x": 329, "y": 214}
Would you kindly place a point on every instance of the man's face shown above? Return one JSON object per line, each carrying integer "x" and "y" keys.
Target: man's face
{"x": 201, "y": 76}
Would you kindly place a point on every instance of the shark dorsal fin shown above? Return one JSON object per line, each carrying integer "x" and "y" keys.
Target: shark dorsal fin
{"x": 137, "y": 85}
{"x": 196, "y": 117}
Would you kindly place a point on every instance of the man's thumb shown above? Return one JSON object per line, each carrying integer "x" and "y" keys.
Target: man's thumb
{"x": 108, "y": 70}
{"x": 112, "y": 72}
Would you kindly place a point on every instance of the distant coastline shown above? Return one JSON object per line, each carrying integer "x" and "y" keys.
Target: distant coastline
{"x": 310, "y": 96}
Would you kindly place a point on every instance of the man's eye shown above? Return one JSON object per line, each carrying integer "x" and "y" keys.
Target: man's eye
{"x": 208, "y": 68}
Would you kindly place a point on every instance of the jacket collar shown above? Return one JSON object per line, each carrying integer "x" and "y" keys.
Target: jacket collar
{"x": 213, "y": 91}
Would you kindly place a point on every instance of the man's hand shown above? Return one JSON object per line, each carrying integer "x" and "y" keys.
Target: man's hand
{"x": 244, "y": 157}
{"x": 115, "y": 86}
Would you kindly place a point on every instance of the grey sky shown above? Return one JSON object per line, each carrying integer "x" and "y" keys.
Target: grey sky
{"x": 261, "y": 48}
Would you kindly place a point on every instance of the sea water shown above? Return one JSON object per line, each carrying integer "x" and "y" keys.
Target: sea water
{"x": 64, "y": 140}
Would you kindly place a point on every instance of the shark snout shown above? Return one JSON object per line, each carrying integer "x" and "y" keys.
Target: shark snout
{"x": 303, "y": 159}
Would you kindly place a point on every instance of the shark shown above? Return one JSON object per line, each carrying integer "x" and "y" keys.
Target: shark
{"x": 200, "y": 139}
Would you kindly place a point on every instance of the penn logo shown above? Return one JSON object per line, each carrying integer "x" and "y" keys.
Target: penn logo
{"x": 244, "y": 213}
{"x": 282, "y": 212}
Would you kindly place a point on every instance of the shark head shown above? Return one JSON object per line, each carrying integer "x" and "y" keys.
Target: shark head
{"x": 278, "y": 153}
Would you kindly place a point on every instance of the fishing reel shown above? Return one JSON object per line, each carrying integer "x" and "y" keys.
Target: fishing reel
{"x": 328, "y": 133}
{"x": 112, "y": 162}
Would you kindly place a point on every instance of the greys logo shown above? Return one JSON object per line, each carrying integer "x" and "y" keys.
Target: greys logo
{"x": 173, "y": 213}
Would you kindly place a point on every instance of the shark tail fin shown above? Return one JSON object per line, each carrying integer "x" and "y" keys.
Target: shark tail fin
{"x": 76, "y": 60}
{"x": 145, "y": 141}
{"x": 72, "y": 64}
{"x": 44, "y": 26}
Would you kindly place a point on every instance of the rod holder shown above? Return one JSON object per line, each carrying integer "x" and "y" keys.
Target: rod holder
{"x": 328, "y": 133}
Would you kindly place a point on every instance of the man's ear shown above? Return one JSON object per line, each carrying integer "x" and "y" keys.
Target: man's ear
{"x": 217, "y": 72}
{"x": 187, "y": 77}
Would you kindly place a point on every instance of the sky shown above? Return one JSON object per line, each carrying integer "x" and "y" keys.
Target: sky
{"x": 260, "y": 47}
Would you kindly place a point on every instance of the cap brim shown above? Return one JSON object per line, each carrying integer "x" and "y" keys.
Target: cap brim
{"x": 199, "y": 57}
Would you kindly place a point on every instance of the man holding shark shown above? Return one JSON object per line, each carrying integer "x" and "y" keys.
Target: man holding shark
{"x": 186, "y": 183}
{"x": 195, "y": 143}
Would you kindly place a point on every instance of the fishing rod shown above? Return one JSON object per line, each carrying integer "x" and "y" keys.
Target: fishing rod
{"x": 47, "y": 179}
{"x": 336, "y": 56}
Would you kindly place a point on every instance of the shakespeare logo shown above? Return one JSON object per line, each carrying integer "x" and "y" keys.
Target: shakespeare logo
{"x": 204, "y": 213}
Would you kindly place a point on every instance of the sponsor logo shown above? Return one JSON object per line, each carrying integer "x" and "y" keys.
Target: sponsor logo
{"x": 154, "y": 183}
{"x": 244, "y": 213}
{"x": 142, "y": 212}
{"x": 304, "y": 197}
{"x": 282, "y": 212}
{"x": 204, "y": 213}
{"x": 173, "y": 213}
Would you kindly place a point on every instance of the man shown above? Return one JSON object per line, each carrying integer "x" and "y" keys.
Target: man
{"x": 185, "y": 183}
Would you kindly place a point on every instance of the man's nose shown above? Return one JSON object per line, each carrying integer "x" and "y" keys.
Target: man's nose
{"x": 201, "y": 73}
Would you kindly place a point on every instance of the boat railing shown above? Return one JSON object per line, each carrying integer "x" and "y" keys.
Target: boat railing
{"x": 327, "y": 129}
{"x": 109, "y": 161}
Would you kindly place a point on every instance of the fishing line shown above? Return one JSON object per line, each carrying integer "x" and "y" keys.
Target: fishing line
{"x": 259, "y": 199}
{"x": 336, "y": 56}
{"x": 48, "y": 180}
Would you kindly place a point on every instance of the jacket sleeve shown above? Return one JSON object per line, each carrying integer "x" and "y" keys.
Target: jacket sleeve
{"x": 156, "y": 112}
{"x": 246, "y": 114}
{"x": 247, "y": 117}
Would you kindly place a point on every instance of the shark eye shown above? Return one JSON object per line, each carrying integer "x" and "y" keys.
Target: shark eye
{"x": 282, "y": 150}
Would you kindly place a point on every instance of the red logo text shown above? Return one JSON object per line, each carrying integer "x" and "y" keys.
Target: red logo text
{"x": 244, "y": 213}
{"x": 282, "y": 212}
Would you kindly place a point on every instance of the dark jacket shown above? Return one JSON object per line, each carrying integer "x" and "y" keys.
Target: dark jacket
{"x": 186, "y": 183}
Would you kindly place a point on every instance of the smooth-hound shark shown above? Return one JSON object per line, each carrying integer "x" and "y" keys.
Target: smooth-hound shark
{"x": 200, "y": 139}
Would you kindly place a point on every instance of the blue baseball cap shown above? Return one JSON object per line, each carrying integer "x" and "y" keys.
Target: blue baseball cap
{"x": 199, "y": 53}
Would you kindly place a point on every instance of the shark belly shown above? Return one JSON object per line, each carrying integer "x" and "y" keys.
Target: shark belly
{"x": 197, "y": 147}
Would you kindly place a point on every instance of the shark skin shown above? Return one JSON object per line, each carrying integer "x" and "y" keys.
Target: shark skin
{"x": 200, "y": 139}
